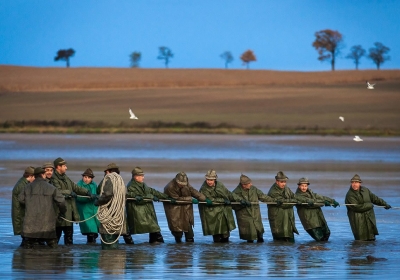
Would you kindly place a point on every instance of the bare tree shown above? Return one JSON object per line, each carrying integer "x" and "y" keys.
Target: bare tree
{"x": 377, "y": 54}
{"x": 328, "y": 44}
{"x": 64, "y": 55}
{"x": 135, "y": 57}
{"x": 165, "y": 54}
{"x": 356, "y": 52}
{"x": 228, "y": 57}
{"x": 247, "y": 57}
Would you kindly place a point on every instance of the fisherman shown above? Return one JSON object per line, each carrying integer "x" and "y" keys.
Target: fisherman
{"x": 310, "y": 214}
{"x": 361, "y": 210}
{"x": 70, "y": 190}
{"x": 141, "y": 214}
{"x": 49, "y": 170}
{"x": 17, "y": 209}
{"x": 249, "y": 218}
{"x": 216, "y": 216}
{"x": 111, "y": 212}
{"x": 281, "y": 215}
{"x": 180, "y": 215}
{"x": 39, "y": 198}
{"x": 87, "y": 209}
{"x": 113, "y": 167}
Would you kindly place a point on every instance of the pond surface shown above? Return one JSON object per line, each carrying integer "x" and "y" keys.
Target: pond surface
{"x": 329, "y": 162}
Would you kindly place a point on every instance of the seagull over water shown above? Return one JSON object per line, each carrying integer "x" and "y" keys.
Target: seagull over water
{"x": 357, "y": 138}
{"x": 341, "y": 118}
{"x": 370, "y": 86}
{"x": 133, "y": 117}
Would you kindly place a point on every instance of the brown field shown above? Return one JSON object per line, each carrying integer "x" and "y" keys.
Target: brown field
{"x": 241, "y": 98}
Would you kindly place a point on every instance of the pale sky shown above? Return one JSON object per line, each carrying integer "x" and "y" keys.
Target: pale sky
{"x": 280, "y": 33}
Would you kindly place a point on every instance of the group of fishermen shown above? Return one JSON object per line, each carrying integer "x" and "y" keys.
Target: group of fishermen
{"x": 46, "y": 202}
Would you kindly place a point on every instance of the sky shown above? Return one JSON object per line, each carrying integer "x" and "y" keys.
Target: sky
{"x": 280, "y": 33}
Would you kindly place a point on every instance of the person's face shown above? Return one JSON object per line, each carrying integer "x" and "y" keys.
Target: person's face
{"x": 87, "y": 179}
{"x": 303, "y": 187}
{"x": 281, "y": 184}
{"x": 210, "y": 182}
{"x": 246, "y": 186}
{"x": 355, "y": 186}
{"x": 30, "y": 178}
{"x": 139, "y": 178}
{"x": 49, "y": 172}
{"x": 62, "y": 169}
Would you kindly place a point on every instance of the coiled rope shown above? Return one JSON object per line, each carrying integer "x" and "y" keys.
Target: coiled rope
{"x": 112, "y": 214}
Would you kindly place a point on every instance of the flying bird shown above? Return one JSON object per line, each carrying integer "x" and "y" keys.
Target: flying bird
{"x": 133, "y": 117}
{"x": 370, "y": 86}
{"x": 341, "y": 118}
{"x": 357, "y": 139}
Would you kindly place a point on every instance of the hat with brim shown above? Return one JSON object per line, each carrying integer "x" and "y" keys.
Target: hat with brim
{"x": 47, "y": 165}
{"x": 111, "y": 166}
{"x": 39, "y": 170}
{"x": 356, "y": 178}
{"x": 211, "y": 175}
{"x": 137, "y": 171}
{"x": 59, "y": 161}
{"x": 280, "y": 176}
{"x": 303, "y": 180}
{"x": 244, "y": 179}
{"x": 88, "y": 172}
{"x": 181, "y": 178}
{"x": 30, "y": 170}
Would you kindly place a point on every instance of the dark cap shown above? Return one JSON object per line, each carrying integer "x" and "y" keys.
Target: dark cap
{"x": 244, "y": 179}
{"x": 181, "y": 178}
{"x": 59, "y": 161}
{"x": 111, "y": 166}
{"x": 88, "y": 172}
{"x": 356, "y": 178}
{"x": 39, "y": 170}
{"x": 280, "y": 176}
{"x": 137, "y": 171}
{"x": 47, "y": 165}
{"x": 30, "y": 170}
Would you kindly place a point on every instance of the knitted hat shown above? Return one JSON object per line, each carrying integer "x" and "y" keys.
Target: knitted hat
{"x": 47, "y": 165}
{"x": 30, "y": 170}
{"x": 59, "y": 161}
{"x": 137, "y": 171}
{"x": 356, "y": 178}
{"x": 111, "y": 166}
{"x": 303, "y": 180}
{"x": 280, "y": 176}
{"x": 181, "y": 178}
{"x": 88, "y": 172}
{"x": 211, "y": 175}
{"x": 39, "y": 170}
{"x": 244, "y": 179}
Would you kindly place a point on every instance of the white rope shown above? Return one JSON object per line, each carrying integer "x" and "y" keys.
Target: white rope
{"x": 112, "y": 214}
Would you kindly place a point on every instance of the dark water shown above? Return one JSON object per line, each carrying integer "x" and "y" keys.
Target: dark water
{"x": 329, "y": 162}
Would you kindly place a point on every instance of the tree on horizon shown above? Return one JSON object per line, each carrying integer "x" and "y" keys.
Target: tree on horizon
{"x": 247, "y": 57}
{"x": 65, "y": 55}
{"x": 165, "y": 54}
{"x": 135, "y": 57}
{"x": 356, "y": 52}
{"x": 328, "y": 43}
{"x": 227, "y": 57}
{"x": 377, "y": 54}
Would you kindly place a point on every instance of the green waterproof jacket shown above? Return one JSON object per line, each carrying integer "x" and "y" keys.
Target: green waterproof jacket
{"x": 142, "y": 215}
{"x": 65, "y": 185}
{"x": 87, "y": 209}
{"x": 281, "y": 218}
{"x": 362, "y": 216}
{"x": 249, "y": 218}
{"x": 180, "y": 216}
{"x": 18, "y": 209}
{"x": 218, "y": 218}
{"x": 311, "y": 216}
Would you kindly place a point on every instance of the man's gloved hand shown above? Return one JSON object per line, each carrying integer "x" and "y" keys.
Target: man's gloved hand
{"x": 310, "y": 203}
{"x": 93, "y": 197}
{"x": 335, "y": 204}
{"x": 246, "y": 203}
{"x": 279, "y": 203}
{"x": 298, "y": 202}
{"x": 327, "y": 203}
{"x": 156, "y": 199}
{"x": 227, "y": 202}
{"x": 388, "y": 206}
{"x": 195, "y": 201}
{"x": 72, "y": 194}
{"x": 209, "y": 202}
{"x": 138, "y": 198}
{"x": 172, "y": 200}
{"x": 96, "y": 202}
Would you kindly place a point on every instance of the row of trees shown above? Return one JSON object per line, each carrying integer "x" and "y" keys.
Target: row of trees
{"x": 329, "y": 43}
